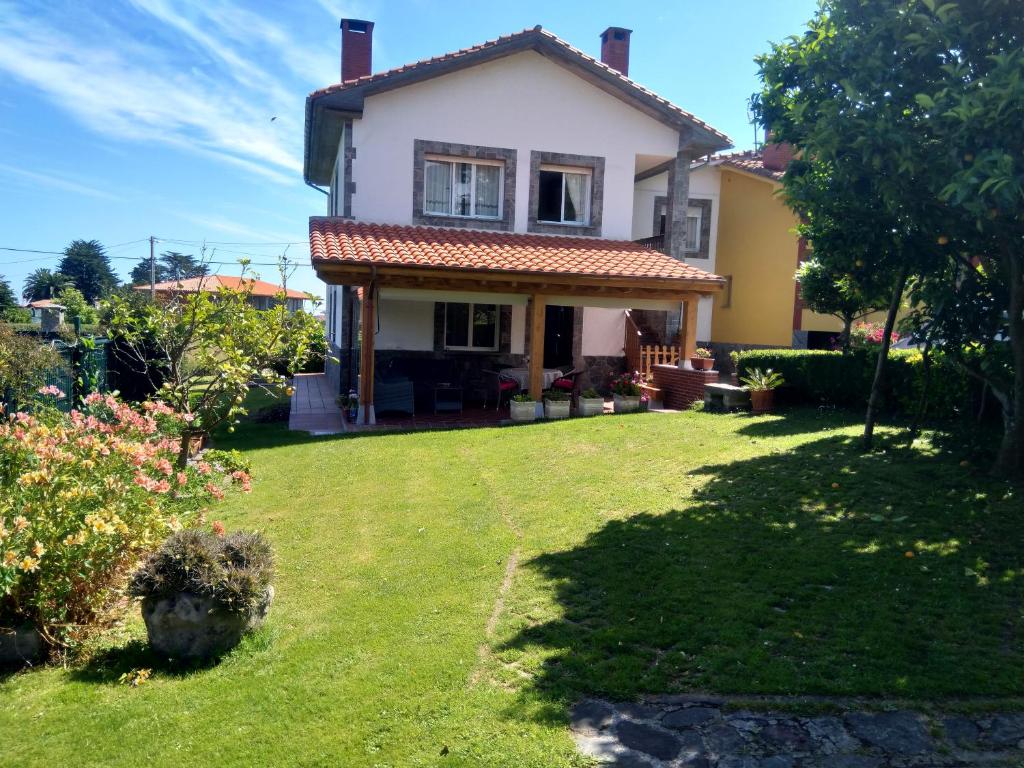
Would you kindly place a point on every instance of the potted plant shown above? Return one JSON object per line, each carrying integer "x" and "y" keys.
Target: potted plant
{"x": 626, "y": 392}
{"x": 762, "y": 386}
{"x": 702, "y": 359}
{"x": 556, "y": 405}
{"x": 522, "y": 407}
{"x": 202, "y": 591}
{"x": 590, "y": 403}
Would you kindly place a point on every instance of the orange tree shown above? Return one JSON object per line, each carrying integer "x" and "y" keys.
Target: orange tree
{"x": 207, "y": 349}
{"x": 921, "y": 102}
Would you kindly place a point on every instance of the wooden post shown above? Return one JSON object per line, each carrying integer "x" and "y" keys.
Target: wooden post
{"x": 688, "y": 329}
{"x": 537, "y": 309}
{"x": 366, "y": 356}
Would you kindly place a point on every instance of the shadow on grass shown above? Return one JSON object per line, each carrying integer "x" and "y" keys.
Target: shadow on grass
{"x": 789, "y": 573}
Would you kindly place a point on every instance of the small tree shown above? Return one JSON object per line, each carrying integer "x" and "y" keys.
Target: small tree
{"x": 209, "y": 348}
{"x": 23, "y": 365}
{"x": 7, "y": 298}
{"x": 76, "y": 307}
{"x": 837, "y": 294}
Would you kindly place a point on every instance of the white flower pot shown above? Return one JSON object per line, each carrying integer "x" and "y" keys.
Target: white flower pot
{"x": 523, "y": 411}
{"x": 627, "y": 404}
{"x": 590, "y": 406}
{"x": 556, "y": 409}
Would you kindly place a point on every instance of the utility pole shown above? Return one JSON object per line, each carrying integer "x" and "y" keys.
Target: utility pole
{"x": 152, "y": 270}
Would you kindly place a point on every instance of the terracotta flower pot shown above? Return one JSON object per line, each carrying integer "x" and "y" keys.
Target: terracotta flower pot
{"x": 702, "y": 363}
{"x": 762, "y": 400}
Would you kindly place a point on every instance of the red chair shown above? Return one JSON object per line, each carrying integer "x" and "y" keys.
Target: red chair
{"x": 503, "y": 387}
{"x": 566, "y": 382}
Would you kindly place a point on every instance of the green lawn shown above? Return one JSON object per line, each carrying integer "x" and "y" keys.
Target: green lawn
{"x": 655, "y": 553}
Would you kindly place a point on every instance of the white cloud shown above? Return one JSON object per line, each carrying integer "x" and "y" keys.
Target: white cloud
{"x": 194, "y": 81}
{"x": 54, "y": 180}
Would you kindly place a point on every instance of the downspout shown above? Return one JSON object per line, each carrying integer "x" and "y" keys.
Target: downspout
{"x": 318, "y": 189}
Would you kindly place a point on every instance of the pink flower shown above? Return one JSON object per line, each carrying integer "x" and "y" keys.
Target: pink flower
{"x": 203, "y": 468}
{"x": 51, "y": 390}
{"x": 164, "y": 466}
{"x": 218, "y": 528}
{"x": 214, "y": 491}
{"x": 182, "y": 478}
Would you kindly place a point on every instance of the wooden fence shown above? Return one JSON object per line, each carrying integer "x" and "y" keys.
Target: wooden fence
{"x": 656, "y": 354}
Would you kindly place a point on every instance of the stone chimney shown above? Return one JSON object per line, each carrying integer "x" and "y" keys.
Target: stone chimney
{"x": 776, "y": 157}
{"x": 356, "y": 49}
{"x": 615, "y": 48}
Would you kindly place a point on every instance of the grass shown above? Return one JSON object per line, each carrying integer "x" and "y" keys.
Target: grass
{"x": 655, "y": 553}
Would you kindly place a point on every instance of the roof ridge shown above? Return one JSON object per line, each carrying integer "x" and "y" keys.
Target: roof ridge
{"x": 539, "y": 31}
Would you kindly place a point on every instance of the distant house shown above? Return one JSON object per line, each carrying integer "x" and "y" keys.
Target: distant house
{"x": 262, "y": 295}
{"x": 39, "y": 305}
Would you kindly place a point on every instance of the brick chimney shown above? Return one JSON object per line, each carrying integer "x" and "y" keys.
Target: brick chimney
{"x": 776, "y": 157}
{"x": 615, "y": 48}
{"x": 356, "y": 48}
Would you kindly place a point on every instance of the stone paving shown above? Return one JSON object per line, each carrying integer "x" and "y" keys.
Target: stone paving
{"x": 693, "y": 732}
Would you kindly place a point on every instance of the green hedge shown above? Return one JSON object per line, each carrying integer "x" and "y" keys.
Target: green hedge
{"x": 825, "y": 377}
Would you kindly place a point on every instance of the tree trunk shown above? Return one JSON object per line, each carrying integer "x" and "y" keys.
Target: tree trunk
{"x": 844, "y": 337}
{"x": 1011, "y": 451}
{"x": 922, "y": 405}
{"x": 185, "y": 449}
{"x": 883, "y": 355}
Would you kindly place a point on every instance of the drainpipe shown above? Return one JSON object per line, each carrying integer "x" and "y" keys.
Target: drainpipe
{"x": 318, "y": 189}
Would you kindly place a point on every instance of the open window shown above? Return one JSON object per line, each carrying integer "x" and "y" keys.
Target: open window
{"x": 563, "y": 195}
{"x": 471, "y": 327}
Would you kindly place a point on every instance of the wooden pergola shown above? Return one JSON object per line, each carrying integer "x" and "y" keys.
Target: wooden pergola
{"x": 541, "y": 289}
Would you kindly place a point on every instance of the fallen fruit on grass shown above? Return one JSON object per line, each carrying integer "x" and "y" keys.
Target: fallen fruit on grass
{"x": 835, "y": 485}
{"x": 908, "y": 553}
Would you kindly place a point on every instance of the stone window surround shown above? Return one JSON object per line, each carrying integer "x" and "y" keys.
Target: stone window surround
{"x": 704, "y": 244}
{"x": 596, "y": 166}
{"x": 423, "y": 147}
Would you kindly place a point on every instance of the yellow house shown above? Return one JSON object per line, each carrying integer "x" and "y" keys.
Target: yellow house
{"x": 744, "y": 232}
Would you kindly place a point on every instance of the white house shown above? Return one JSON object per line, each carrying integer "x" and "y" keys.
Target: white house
{"x": 484, "y": 208}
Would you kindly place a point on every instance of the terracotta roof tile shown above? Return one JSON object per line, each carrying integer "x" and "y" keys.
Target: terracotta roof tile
{"x": 751, "y": 161}
{"x": 532, "y": 31}
{"x": 354, "y": 242}
{"x": 212, "y": 282}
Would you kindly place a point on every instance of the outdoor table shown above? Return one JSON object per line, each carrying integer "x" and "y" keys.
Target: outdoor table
{"x": 522, "y": 376}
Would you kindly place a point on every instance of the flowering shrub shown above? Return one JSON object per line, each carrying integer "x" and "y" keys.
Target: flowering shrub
{"x": 628, "y": 384}
{"x": 869, "y": 336}
{"x": 82, "y": 497}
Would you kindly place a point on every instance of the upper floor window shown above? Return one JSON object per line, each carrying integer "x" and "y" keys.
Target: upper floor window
{"x": 563, "y": 195}
{"x": 462, "y": 188}
{"x": 693, "y": 222}
{"x": 471, "y": 326}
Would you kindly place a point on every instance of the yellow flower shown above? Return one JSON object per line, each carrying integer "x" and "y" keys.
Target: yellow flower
{"x": 10, "y": 557}
{"x": 20, "y": 523}
{"x": 39, "y": 550}
{"x": 28, "y": 564}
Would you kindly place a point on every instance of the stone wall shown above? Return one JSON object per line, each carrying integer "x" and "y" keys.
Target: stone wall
{"x": 681, "y": 387}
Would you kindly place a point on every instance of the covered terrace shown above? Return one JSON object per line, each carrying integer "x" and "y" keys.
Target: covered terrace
{"x": 525, "y": 269}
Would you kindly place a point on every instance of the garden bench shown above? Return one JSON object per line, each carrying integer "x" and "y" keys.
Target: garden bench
{"x": 725, "y": 397}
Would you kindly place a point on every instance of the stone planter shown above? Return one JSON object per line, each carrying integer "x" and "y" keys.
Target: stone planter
{"x": 187, "y": 626}
{"x": 627, "y": 403}
{"x": 556, "y": 409}
{"x": 523, "y": 411}
{"x": 590, "y": 406}
{"x": 19, "y": 646}
{"x": 762, "y": 400}
{"x": 702, "y": 363}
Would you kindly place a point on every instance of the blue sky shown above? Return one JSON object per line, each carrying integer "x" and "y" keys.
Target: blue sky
{"x": 121, "y": 119}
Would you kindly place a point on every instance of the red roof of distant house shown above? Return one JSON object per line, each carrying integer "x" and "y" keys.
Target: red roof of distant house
{"x": 338, "y": 240}
{"x": 211, "y": 283}
{"x": 42, "y": 304}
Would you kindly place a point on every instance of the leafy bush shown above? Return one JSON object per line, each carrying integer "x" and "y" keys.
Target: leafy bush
{"x": 820, "y": 376}
{"x": 24, "y": 362}
{"x": 16, "y": 315}
{"x": 763, "y": 381}
{"x": 590, "y": 394}
{"x": 82, "y": 496}
{"x": 233, "y": 570}
{"x": 556, "y": 397}
{"x": 523, "y": 397}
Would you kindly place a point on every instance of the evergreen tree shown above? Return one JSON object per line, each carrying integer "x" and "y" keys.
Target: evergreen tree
{"x": 86, "y": 263}
{"x": 7, "y": 298}
{"x": 181, "y": 266}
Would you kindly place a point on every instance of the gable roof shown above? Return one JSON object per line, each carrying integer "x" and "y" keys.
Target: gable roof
{"x": 346, "y": 98}
{"x": 211, "y": 283}
{"x": 343, "y": 241}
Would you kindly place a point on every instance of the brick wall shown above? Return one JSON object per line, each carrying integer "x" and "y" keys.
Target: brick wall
{"x": 681, "y": 387}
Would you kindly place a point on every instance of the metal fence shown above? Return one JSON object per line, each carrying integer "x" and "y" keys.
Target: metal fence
{"x": 82, "y": 369}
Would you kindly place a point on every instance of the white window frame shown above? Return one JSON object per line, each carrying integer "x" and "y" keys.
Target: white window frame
{"x": 451, "y": 161}
{"x": 698, "y": 214}
{"x": 588, "y": 174}
{"x": 469, "y": 330}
